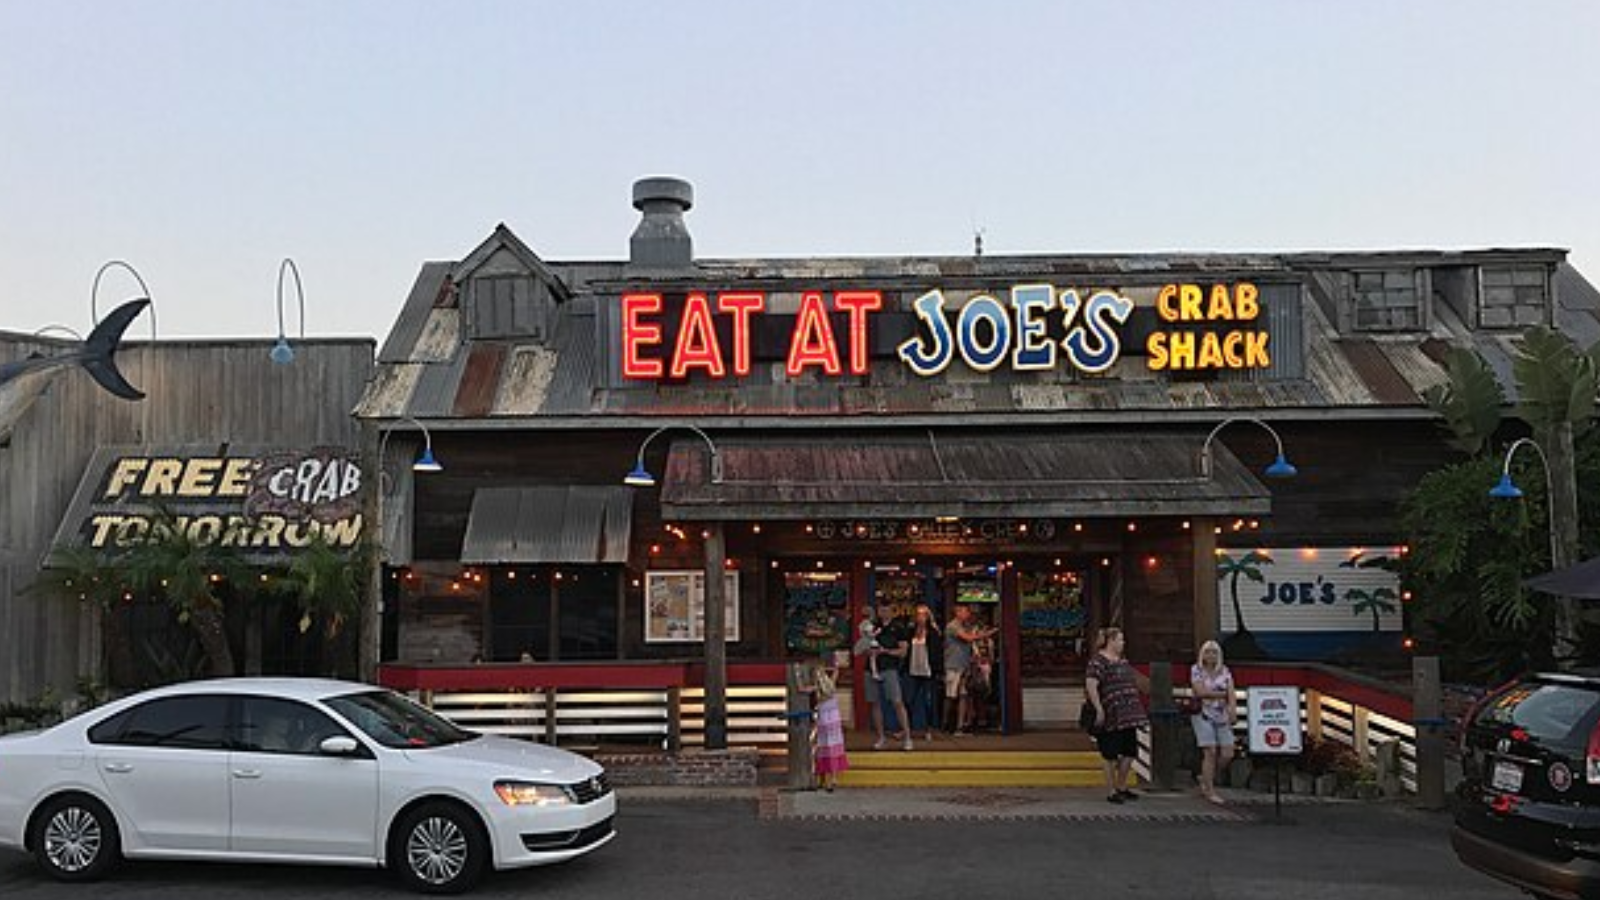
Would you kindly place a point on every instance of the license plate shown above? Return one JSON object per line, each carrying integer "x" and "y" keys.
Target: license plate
{"x": 1507, "y": 777}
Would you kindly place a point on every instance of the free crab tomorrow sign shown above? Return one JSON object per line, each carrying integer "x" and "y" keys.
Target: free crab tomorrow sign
{"x": 262, "y": 502}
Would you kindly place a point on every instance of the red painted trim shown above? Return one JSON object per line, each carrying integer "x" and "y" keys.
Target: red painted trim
{"x": 528, "y": 676}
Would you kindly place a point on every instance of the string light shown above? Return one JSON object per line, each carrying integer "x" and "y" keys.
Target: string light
{"x": 1133, "y": 526}
{"x": 1077, "y": 526}
{"x": 756, "y": 528}
{"x": 1185, "y": 524}
{"x": 809, "y": 528}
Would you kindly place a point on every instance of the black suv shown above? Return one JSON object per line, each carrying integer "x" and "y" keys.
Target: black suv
{"x": 1528, "y": 809}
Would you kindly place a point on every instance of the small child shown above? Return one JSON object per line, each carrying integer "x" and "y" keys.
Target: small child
{"x": 868, "y": 643}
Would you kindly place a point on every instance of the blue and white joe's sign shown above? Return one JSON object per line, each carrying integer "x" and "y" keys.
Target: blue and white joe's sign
{"x": 1311, "y": 603}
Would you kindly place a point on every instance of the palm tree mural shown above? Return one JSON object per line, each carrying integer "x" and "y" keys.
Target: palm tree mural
{"x": 1241, "y": 644}
{"x": 1376, "y": 601}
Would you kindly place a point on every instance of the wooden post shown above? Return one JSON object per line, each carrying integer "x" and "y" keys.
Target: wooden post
{"x": 1206, "y": 614}
{"x": 674, "y": 719}
{"x": 1010, "y": 651}
{"x": 1427, "y": 709}
{"x": 716, "y": 648}
{"x": 1313, "y": 713}
{"x": 1164, "y": 724}
{"x": 1358, "y": 728}
{"x": 371, "y": 627}
{"x": 552, "y": 733}
{"x": 799, "y": 727}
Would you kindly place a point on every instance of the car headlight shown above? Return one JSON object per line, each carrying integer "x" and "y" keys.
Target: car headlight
{"x": 526, "y": 793}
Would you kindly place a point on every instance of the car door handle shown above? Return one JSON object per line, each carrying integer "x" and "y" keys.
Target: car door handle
{"x": 119, "y": 768}
{"x": 247, "y": 773}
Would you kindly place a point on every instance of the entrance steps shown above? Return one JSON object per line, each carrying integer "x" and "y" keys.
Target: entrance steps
{"x": 972, "y": 768}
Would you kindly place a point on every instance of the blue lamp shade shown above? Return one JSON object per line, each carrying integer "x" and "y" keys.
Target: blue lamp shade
{"x": 639, "y": 477}
{"x": 1281, "y": 468}
{"x": 282, "y": 353}
{"x": 1505, "y": 490}
{"x": 426, "y": 462}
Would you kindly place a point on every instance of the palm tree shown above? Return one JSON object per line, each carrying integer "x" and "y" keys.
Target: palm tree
{"x": 1379, "y": 600}
{"x": 325, "y": 583}
{"x": 1241, "y": 644}
{"x": 190, "y": 576}
{"x": 87, "y": 576}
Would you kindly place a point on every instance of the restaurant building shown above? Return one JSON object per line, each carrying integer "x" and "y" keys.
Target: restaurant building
{"x": 1182, "y": 444}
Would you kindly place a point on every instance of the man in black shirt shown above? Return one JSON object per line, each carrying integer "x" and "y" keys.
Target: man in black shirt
{"x": 891, "y": 659}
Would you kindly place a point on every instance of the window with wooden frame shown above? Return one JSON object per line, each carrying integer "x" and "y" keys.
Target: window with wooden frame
{"x": 1386, "y": 300}
{"x": 1513, "y": 286}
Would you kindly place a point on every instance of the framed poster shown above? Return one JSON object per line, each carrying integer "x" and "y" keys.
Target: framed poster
{"x": 675, "y": 604}
{"x": 1274, "y": 715}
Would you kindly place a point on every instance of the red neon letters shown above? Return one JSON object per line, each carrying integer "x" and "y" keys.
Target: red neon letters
{"x": 697, "y": 347}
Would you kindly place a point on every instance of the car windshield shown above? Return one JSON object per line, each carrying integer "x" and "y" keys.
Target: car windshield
{"x": 394, "y": 721}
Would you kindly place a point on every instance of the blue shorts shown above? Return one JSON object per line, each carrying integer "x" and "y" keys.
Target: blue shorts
{"x": 1211, "y": 734}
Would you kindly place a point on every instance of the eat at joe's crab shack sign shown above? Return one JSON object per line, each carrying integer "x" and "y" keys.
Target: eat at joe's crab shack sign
{"x": 1201, "y": 328}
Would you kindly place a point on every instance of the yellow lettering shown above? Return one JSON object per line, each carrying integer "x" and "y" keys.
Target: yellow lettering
{"x": 238, "y": 533}
{"x": 343, "y": 533}
{"x": 1189, "y": 298}
{"x": 1180, "y": 347}
{"x": 1245, "y": 305}
{"x": 1210, "y": 351}
{"x": 1166, "y": 304}
{"x": 199, "y": 477}
{"x": 102, "y": 529}
{"x": 269, "y": 532}
{"x": 163, "y": 478}
{"x": 126, "y": 474}
{"x": 236, "y": 478}
{"x": 1230, "y": 349}
{"x": 299, "y": 534}
{"x": 1221, "y": 306}
{"x": 1255, "y": 351}
{"x": 131, "y": 530}
{"x": 1156, "y": 348}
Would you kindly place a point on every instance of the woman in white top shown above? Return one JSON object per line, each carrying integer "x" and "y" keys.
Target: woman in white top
{"x": 1213, "y": 723}
{"x": 919, "y": 666}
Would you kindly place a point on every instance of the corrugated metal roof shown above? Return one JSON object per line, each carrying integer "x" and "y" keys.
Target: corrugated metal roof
{"x": 414, "y": 314}
{"x": 549, "y": 524}
{"x": 480, "y": 380}
{"x": 1368, "y": 360}
{"x": 565, "y": 376}
{"x": 1069, "y": 473}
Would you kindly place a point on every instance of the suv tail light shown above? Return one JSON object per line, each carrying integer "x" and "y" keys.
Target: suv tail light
{"x": 1593, "y": 762}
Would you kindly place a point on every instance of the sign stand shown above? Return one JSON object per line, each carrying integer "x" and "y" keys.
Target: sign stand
{"x": 1274, "y": 717}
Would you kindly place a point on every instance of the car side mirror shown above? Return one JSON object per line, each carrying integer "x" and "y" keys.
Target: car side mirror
{"x": 339, "y": 745}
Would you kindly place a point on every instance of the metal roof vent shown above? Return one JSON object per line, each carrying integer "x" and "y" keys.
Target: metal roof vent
{"x": 662, "y": 239}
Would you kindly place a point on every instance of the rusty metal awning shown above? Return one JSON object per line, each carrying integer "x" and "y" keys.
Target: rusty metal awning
{"x": 971, "y": 475}
{"x": 549, "y": 524}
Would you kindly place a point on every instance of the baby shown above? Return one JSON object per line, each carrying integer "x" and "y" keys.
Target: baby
{"x": 868, "y": 643}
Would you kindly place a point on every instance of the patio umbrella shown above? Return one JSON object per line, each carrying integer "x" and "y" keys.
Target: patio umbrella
{"x": 1581, "y": 581}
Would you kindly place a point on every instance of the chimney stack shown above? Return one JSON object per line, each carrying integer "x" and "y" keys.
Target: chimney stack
{"x": 662, "y": 239}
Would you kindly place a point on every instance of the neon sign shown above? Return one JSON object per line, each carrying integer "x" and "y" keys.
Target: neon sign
{"x": 1192, "y": 350}
{"x": 984, "y": 333}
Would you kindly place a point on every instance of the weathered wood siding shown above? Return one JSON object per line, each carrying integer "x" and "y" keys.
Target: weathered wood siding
{"x": 199, "y": 393}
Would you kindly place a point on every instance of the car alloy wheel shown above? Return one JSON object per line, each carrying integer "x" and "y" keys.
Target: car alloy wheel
{"x": 436, "y": 850}
{"x": 75, "y": 839}
{"x": 439, "y": 848}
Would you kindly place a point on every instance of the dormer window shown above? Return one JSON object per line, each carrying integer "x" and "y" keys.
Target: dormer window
{"x": 1388, "y": 299}
{"x": 1514, "y": 296}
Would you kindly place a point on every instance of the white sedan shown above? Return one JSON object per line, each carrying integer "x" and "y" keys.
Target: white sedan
{"x": 294, "y": 770}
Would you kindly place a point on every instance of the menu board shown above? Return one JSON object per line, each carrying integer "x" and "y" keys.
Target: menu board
{"x": 1052, "y": 617}
{"x": 816, "y": 612}
{"x": 675, "y": 604}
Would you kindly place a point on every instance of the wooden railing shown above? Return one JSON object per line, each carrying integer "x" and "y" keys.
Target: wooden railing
{"x": 1360, "y": 712}
{"x": 588, "y": 705}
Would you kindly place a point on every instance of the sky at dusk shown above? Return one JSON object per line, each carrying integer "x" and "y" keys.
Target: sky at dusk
{"x": 204, "y": 141}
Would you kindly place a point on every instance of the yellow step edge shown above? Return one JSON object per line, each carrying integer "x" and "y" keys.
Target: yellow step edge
{"x": 970, "y": 778}
{"x": 933, "y": 759}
